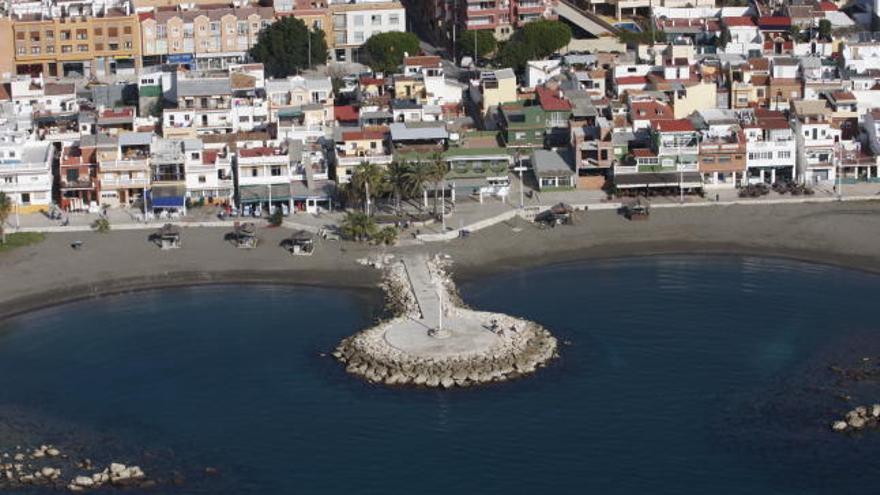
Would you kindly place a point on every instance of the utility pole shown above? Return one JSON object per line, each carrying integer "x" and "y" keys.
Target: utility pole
{"x": 443, "y": 206}
{"x": 519, "y": 168}
{"x": 310, "y": 48}
{"x": 680, "y": 184}
{"x": 454, "y": 31}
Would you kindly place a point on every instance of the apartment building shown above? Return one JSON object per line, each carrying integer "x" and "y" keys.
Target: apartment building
{"x": 501, "y": 16}
{"x": 817, "y": 141}
{"x": 25, "y": 170}
{"x": 124, "y": 169}
{"x": 355, "y": 21}
{"x": 355, "y": 147}
{"x": 204, "y": 37}
{"x": 771, "y": 149}
{"x": 722, "y": 148}
{"x": 79, "y": 42}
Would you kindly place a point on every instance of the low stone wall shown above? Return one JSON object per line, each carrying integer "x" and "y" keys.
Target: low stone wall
{"x": 522, "y": 346}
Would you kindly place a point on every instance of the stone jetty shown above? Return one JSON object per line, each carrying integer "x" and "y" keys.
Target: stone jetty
{"x": 860, "y": 418}
{"x": 433, "y": 340}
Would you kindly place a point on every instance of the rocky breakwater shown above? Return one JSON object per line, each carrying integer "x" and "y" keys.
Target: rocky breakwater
{"x": 474, "y": 347}
{"x": 860, "y": 418}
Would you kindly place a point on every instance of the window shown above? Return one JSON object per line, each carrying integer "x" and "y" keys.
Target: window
{"x": 276, "y": 171}
{"x": 113, "y": 46}
{"x": 35, "y": 50}
{"x": 65, "y": 35}
{"x": 394, "y": 19}
{"x": 50, "y": 49}
{"x": 783, "y": 154}
{"x": 215, "y": 27}
{"x": 66, "y": 48}
{"x": 35, "y": 36}
{"x": 82, "y": 34}
{"x": 126, "y": 30}
{"x": 202, "y": 179}
{"x": 160, "y": 32}
{"x": 19, "y": 35}
{"x": 21, "y": 50}
{"x": 50, "y": 35}
{"x": 358, "y": 20}
{"x": 242, "y": 28}
{"x": 230, "y": 28}
{"x": 376, "y": 20}
{"x": 100, "y": 31}
{"x": 194, "y": 155}
{"x": 126, "y": 44}
{"x": 99, "y": 47}
{"x": 358, "y": 36}
{"x": 253, "y": 172}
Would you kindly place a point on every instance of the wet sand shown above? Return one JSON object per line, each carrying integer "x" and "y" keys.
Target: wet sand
{"x": 843, "y": 234}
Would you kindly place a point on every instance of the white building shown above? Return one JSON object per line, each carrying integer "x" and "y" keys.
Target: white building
{"x": 355, "y": 21}
{"x": 209, "y": 175}
{"x": 771, "y": 149}
{"x": 817, "y": 142}
{"x": 35, "y": 95}
{"x": 540, "y": 71}
{"x": 264, "y": 177}
{"x": 26, "y": 171}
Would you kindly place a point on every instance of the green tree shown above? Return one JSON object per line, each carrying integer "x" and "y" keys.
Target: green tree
{"x": 396, "y": 176}
{"x": 101, "y": 225}
{"x": 418, "y": 175}
{"x": 795, "y": 32}
{"x": 485, "y": 42}
{"x": 359, "y": 227}
{"x": 724, "y": 39}
{"x": 367, "y": 177}
{"x": 546, "y": 37}
{"x": 825, "y": 29}
{"x": 5, "y": 210}
{"x": 437, "y": 172}
{"x": 385, "y": 51}
{"x": 386, "y": 236}
{"x": 283, "y": 47}
{"x": 515, "y": 54}
{"x": 276, "y": 218}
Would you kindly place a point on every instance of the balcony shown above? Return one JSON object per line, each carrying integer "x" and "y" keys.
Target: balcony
{"x": 80, "y": 183}
{"x": 354, "y": 160}
{"x": 125, "y": 165}
{"x": 125, "y": 183}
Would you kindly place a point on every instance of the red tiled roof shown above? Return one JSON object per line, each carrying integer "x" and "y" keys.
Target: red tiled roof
{"x": 423, "y": 61}
{"x": 774, "y": 21}
{"x": 739, "y": 21}
{"x": 632, "y": 80}
{"x": 143, "y": 16}
{"x": 362, "y": 135}
{"x": 826, "y": 6}
{"x": 113, "y": 113}
{"x": 345, "y": 113}
{"x": 649, "y": 110}
{"x": 642, "y": 152}
{"x": 260, "y": 151}
{"x": 680, "y": 125}
{"x": 550, "y": 102}
{"x": 367, "y": 81}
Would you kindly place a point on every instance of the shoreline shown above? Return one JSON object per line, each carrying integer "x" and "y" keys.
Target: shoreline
{"x": 841, "y": 235}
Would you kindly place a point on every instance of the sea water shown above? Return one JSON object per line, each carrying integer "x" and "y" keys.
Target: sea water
{"x": 677, "y": 375}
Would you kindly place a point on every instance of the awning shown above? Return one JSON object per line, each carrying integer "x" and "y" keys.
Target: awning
{"x": 290, "y": 112}
{"x": 658, "y": 179}
{"x": 167, "y": 196}
{"x": 263, "y": 193}
{"x": 320, "y": 191}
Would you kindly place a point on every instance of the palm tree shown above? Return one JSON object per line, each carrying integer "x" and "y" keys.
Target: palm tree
{"x": 5, "y": 210}
{"x": 358, "y": 226}
{"x": 437, "y": 170}
{"x": 101, "y": 225}
{"x": 417, "y": 175}
{"x": 396, "y": 175}
{"x": 387, "y": 236}
{"x": 367, "y": 178}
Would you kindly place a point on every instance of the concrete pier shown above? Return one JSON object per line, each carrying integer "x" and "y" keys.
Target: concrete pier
{"x": 471, "y": 347}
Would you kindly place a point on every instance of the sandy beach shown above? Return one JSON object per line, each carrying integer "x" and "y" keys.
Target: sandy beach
{"x": 843, "y": 234}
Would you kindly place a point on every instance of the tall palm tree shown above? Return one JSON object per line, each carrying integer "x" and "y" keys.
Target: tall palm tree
{"x": 417, "y": 175}
{"x": 367, "y": 178}
{"x": 396, "y": 175}
{"x": 437, "y": 170}
{"x": 5, "y": 210}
